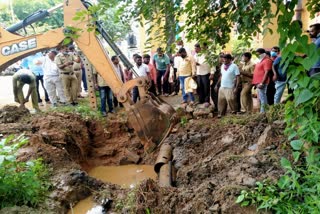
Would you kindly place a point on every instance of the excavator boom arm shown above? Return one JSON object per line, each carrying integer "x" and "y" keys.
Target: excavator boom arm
{"x": 151, "y": 117}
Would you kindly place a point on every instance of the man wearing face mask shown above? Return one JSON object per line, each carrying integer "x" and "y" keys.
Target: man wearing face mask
{"x": 229, "y": 79}
{"x": 279, "y": 75}
{"x": 260, "y": 77}
{"x": 314, "y": 33}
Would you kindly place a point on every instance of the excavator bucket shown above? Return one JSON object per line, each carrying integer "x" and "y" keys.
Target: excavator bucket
{"x": 152, "y": 118}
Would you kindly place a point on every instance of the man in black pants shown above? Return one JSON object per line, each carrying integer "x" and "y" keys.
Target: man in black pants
{"x": 161, "y": 62}
{"x": 271, "y": 89}
{"x": 203, "y": 72}
{"x": 215, "y": 77}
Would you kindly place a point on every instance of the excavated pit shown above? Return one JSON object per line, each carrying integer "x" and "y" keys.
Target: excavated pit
{"x": 72, "y": 146}
{"x": 214, "y": 159}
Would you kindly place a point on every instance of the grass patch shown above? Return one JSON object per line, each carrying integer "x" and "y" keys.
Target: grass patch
{"x": 83, "y": 109}
{"x": 236, "y": 119}
{"x": 275, "y": 112}
{"x": 129, "y": 203}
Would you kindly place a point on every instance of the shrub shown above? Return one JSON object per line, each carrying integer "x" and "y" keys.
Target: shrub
{"x": 295, "y": 192}
{"x": 21, "y": 183}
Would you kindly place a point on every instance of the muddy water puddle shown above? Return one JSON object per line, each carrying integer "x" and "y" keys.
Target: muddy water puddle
{"x": 126, "y": 176}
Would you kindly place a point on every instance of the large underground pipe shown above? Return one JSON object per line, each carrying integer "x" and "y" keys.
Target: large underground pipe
{"x": 163, "y": 166}
{"x": 164, "y": 156}
{"x": 165, "y": 179}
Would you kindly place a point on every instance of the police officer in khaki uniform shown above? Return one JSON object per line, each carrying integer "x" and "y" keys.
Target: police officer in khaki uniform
{"x": 65, "y": 62}
{"x": 77, "y": 70}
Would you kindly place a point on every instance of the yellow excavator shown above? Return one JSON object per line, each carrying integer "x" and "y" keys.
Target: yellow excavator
{"x": 151, "y": 118}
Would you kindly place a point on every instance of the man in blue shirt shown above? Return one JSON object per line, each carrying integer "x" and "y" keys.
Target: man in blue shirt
{"x": 34, "y": 64}
{"x": 279, "y": 75}
{"x": 162, "y": 64}
{"x": 315, "y": 35}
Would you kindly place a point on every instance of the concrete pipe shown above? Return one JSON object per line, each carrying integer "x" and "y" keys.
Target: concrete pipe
{"x": 165, "y": 176}
{"x": 165, "y": 155}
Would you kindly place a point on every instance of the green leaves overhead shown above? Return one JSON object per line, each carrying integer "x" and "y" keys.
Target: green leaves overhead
{"x": 23, "y": 9}
{"x": 313, "y": 6}
{"x": 159, "y": 17}
{"x": 213, "y": 21}
{"x": 204, "y": 21}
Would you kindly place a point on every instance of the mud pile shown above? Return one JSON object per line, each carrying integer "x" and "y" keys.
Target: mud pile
{"x": 13, "y": 120}
{"x": 215, "y": 160}
{"x": 68, "y": 145}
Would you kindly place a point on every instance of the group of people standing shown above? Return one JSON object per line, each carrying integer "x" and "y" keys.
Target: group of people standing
{"x": 228, "y": 84}
{"x": 59, "y": 73}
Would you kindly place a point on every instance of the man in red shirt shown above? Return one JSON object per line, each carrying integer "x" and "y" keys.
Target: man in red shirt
{"x": 261, "y": 77}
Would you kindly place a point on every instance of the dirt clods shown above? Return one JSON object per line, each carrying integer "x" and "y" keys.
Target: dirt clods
{"x": 214, "y": 164}
{"x": 10, "y": 114}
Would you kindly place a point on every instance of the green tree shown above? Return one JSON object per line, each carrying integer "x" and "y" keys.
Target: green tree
{"x": 110, "y": 14}
{"x": 111, "y": 18}
{"x": 5, "y": 17}
{"x": 205, "y": 21}
{"x": 160, "y": 17}
{"x": 23, "y": 9}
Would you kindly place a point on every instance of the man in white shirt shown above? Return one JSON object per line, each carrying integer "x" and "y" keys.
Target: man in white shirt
{"x": 203, "y": 73}
{"x": 142, "y": 70}
{"x": 120, "y": 73}
{"x": 230, "y": 77}
{"x": 176, "y": 63}
{"x": 52, "y": 81}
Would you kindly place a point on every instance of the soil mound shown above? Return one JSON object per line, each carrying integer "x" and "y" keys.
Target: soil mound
{"x": 215, "y": 160}
{"x": 11, "y": 114}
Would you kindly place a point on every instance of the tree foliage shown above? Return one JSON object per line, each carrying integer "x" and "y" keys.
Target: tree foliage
{"x": 110, "y": 13}
{"x": 296, "y": 191}
{"x": 204, "y": 21}
{"x": 23, "y": 9}
{"x": 160, "y": 17}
